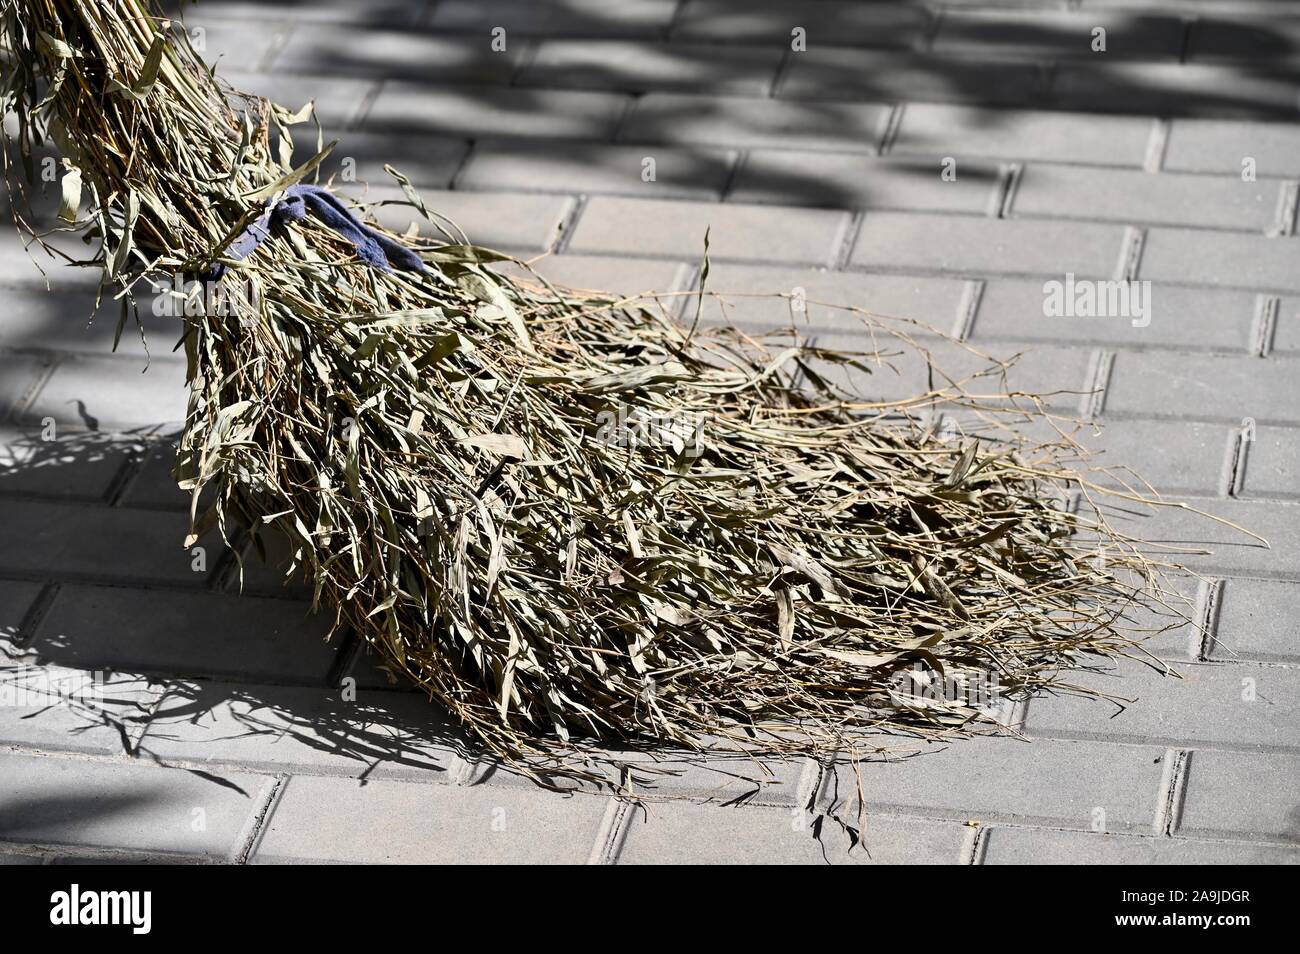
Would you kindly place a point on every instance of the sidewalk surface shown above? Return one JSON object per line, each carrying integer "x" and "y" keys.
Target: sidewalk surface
{"x": 228, "y": 731}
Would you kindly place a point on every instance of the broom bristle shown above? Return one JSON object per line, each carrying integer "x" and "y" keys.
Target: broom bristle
{"x": 570, "y": 517}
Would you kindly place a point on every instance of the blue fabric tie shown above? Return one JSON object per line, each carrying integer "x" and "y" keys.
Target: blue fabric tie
{"x": 374, "y": 248}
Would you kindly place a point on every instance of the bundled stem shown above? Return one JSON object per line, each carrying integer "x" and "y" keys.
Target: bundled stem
{"x": 567, "y": 516}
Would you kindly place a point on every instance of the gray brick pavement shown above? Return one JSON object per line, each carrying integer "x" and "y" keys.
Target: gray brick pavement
{"x": 228, "y": 730}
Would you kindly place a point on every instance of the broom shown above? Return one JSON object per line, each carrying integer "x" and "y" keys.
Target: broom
{"x": 569, "y": 518}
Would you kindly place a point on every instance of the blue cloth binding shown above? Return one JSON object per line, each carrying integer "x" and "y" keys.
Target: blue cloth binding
{"x": 374, "y": 248}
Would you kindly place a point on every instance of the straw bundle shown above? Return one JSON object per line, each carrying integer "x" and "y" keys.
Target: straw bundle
{"x": 460, "y": 459}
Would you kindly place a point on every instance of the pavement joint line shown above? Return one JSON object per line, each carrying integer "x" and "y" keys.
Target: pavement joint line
{"x": 49, "y": 852}
{"x": 50, "y": 364}
{"x": 126, "y": 477}
{"x": 37, "y": 612}
{"x": 453, "y": 184}
{"x": 1173, "y": 787}
{"x": 361, "y": 112}
{"x": 611, "y": 833}
{"x": 778, "y": 77}
{"x": 734, "y": 168}
{"x": 568, "y": 223}
{"x": 1263, "y": 325}
{"x": 152, "y": 584}
{"x": 1093, "y": 399}
{"x": 973, "y": 291}
{"x": 1189, "y": 26}
{"x": 973, "y": 845}
{"x": 1004, "y": 193}
{"x": 620, "y": 125}
{"x": 280, "y": 37}
{"x": 1209, "y": 603}
{"x": 1284, "y": 214}
{"x": 257, "y": 823}
{"x": 532, "y": 47}
{"x": 1157, "y": 146}
{"x": 844, "y": 242}
{"x": 889, "y": 134}
{"x": 1205, "y": 745}
{"x": 1131, "y": 253}
{"x": 350, "y": 650}
{"x": 1238, "y": 459}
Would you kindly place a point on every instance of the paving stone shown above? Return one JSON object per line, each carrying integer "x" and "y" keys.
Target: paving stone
{"x": 640, "y": 65}
{"x": 741, "y": 232}
{"x": 1217, "y": 145}
{"x": 1209, "y": 547}
{"x": 1205, "y": 706}
{"x": 856, "y": 182}
{"x": 312, "y": 730}
{"x": 317, "y": 819}
{"x": 727, "y": 779}
{"x": 1059, "y": 376}
{"x": 1216, "y": 40}
{"x": 19, "y": 376}
{"x": 71, "y": 467}
{"x": 339, "y": 100}
{"x": 54, "y": 708}
{"x": 1173, "y": 89}
{"x": 1116, "y": 195}
{"x": 826, "y": 73}
{"x": 104, "y": 393}
{"x": 430, "y": 161}
{"x": 824, "y": 22}
{"x": 271, "y": 566}
{"x": 1057, "y": 33}
{"x": 67, "y": 801}
{"x": 1202, "y": 257}
{"x": 1209, "y": 387}
{"x": 691, "y": 173}
{"x": 511, "y": 221}
{"x": 153, "y": 486}
{"x": 574, "y": 17}
{"x": 71, "y": 541}
{"x": 375, "y": 13}
{"x": 620, "y": 276}
{"x": 232, "y": 44}
{"x": 759, "y": 297}
{"x": 1273, "y": 463}
{"x": 1258, "y": 620}
{"x": 16, "y": 598}
{"x": 987, "y": 779}
{"x": 673, "y": 833}
{"x": 60, "y": 320}
{"x": 1193, "y": 455}
{"x": 896, "y": 241}
{"x": 30, "y": 264}
{"x": 1241, "y": 793}
{"x": 1286, "y": 334}
{"x": 476, "y": 111}
{"x": 1181, "y": 317}
{"x": 1035, "y": 846}
{"x": 737, "y": 122}
{"x": 942, "y": 129}
{"x": 196, "y": 634}
{"x": 336, "y": 50}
